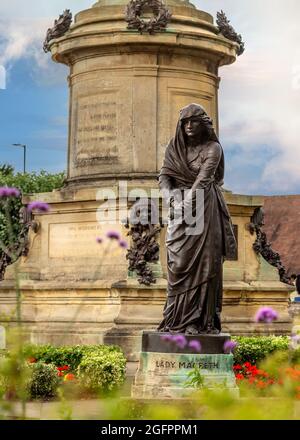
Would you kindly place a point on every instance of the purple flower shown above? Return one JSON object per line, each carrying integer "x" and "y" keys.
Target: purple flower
{"x": 195, "y": 345}
{"x": 39, "y": 206}
{"x": 229, "y": 346}
{"x": 9, "y": 192}
{"x": 99, "y": 240}
{"x": 180, "y": 341}
{"x": 266, "y": 314}
{"x": 113, "y": 235}
{"x": 167, "y": 338}
{"x": 123, "y": 244}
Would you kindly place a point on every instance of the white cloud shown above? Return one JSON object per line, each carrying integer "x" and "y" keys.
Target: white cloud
{"x": 23, "y": 27}
{"x": 260, "y": 93}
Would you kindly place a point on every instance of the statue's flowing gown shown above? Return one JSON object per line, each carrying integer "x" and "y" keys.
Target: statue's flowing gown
{"x": 195, "y": 287}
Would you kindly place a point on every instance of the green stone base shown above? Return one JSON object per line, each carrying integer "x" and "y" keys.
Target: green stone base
{"x": 164, "y": 375}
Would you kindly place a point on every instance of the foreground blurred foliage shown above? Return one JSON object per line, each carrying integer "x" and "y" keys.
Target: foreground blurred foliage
{"x": 24, "y": 376}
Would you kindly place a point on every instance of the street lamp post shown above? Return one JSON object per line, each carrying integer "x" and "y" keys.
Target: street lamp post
{"x": 24, "y": 147}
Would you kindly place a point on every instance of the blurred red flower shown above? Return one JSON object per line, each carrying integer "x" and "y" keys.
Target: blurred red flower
{"x": 69, "y": 377}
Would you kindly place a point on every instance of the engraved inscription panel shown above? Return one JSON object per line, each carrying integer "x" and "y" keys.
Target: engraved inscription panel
{"x": 164, "y": 364}
{"x": 73, "y": 240}
{"x": 96, "y": 136}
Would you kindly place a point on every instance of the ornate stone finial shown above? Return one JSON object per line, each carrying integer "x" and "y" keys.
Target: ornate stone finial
{"x": 61, "y": 26}
{"x": 159, "y": 21}
{"x": 228, "y": 31}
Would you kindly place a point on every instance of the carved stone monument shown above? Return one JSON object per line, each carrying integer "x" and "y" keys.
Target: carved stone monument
{"x": 127, "y": 86}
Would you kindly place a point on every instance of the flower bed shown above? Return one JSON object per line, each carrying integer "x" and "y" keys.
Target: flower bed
{"x": 269, "y": 383}
{"x": 40, "y": 371}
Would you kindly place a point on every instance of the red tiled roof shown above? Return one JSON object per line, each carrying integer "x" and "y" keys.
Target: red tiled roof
{"x": 282, "y": 226}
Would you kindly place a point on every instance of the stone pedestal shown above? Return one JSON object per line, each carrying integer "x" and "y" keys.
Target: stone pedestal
{"x": 164, "y": 368}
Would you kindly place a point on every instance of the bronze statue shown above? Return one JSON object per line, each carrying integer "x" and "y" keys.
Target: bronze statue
{"x": 194, "y": 161}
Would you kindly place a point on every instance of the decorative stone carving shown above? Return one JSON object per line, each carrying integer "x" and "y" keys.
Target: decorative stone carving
{"x": 159, "y": 21}
{"x": 21, "y": 247}
{"x": 228, "y": 31}
{"x": 144, "y": 248}
{"x": 61, "y": 26}
{"x": 263, "y": 247}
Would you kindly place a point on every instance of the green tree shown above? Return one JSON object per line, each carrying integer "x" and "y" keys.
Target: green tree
{"x": 6, "y": 169}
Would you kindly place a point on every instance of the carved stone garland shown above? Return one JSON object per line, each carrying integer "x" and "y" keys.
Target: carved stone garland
{"x": 144, "y": 248}
{"x": 228, "y": 31}
{"x": 159, "y": 21}
{"x": 263, "y": 247}
{"x": 61, "y": 26}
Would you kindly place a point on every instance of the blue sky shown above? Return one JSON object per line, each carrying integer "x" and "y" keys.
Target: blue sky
{"x": 259, "y": 95}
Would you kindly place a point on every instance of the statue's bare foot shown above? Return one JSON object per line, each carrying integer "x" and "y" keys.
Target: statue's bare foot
{"x": 191, "y": 330}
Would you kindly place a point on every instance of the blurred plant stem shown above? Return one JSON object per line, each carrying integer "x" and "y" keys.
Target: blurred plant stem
{"x": 18, "y": 340}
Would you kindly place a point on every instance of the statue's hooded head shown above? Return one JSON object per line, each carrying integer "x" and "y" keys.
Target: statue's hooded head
{"x": 196, "y": 111}
{"x": 175, "y": 164}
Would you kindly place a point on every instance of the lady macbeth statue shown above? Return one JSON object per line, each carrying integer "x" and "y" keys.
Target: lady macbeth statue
{"x": 194, "y": 162}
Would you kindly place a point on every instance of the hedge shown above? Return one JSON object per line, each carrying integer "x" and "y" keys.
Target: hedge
{"x": 66, "y": 355}
{"x": 256, "y": 349}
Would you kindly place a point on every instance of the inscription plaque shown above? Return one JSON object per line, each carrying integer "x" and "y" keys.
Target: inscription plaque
{"x": 96, "y": 132}
{"x": 70, "y": 240}
{"x": 186, "y": 364}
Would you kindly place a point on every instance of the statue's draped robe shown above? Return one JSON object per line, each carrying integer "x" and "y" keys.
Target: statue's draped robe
{"x": 195, "y": 261}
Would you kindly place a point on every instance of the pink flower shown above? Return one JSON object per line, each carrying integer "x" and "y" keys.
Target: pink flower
{"x": 180, "y": 341}
{"x": 229, "y": 346}
{"x": 195, "y": 345}
{"x": 123, "y": 244}
{"x": 113, "y": 235}
{"x": 9, "y": 192}
{"x": 266, "y": 315}
{"x": 38, "y": 206}
{"x": 99, "y": 240}
{"x": 167, "y": 338}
